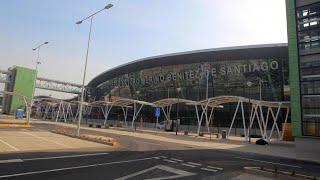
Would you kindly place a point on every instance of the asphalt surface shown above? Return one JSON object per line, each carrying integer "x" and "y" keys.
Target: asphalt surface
{"x": 142, "y": 159}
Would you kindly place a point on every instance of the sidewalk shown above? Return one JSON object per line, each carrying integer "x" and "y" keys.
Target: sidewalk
{"x": 278, "y": 150}
{"x": 231, "y": 139}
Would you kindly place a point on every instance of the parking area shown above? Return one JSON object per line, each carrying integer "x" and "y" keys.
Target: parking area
{"x": 26, "y": 140}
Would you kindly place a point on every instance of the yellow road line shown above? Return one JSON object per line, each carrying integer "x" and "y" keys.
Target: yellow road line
{"x": 12, "y": 147}
{"x": 48, "y": 140}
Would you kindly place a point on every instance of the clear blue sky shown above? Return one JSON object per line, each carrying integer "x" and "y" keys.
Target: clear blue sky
{"x": 132, "y": 29}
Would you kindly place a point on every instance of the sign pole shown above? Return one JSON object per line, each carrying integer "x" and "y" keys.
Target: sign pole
{"x": 157, "y": 121}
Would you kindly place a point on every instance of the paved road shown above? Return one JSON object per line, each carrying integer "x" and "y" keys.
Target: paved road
{"x": 142, "y": 159}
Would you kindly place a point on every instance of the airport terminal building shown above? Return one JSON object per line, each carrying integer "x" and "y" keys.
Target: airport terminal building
{"x": 257, "y": 72}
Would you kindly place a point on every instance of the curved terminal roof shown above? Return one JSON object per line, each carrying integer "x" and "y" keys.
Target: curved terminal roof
{"x": 205, "y": 55}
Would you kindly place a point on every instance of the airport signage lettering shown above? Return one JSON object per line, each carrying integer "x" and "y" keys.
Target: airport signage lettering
{"x": 215, "y": 71}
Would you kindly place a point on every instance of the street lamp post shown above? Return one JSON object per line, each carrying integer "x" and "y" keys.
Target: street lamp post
{"x": 34, "y": 83}
{"x": 178, "y": 117}
{"x": 85, "y": 65}
{"x": 207, "y": 88}
{"x": 38, "y": 56}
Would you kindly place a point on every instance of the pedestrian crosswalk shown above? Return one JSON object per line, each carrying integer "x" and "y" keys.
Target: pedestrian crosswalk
{"x": 189, "y": 164}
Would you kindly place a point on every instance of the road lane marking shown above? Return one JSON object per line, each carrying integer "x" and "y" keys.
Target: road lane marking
{"x": 48, "y": 140}
{"x": 174, "y": 159}
{"x": 74, "y": 167}
{"x": 10, "y": 161}
{"x": 188, "y": 165}
{"x": 50, "y": 157}
{"x": 167, "y": 160}
{"x": 195, "y": 164}
{"x": 207, "y": 169}
{"x": 268, "y": 162}
{"x": 12, "y": 147}
{"x": 67, "y": 156}
{"x": 178, "y": 173}
{"x": 156, "y": 144}
{"x": 212, "y": 167}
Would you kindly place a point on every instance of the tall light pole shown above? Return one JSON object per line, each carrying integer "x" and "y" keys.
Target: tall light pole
{"x": 34, "y": 83}
{"x": 207, "y": 88}
{"x": 38, "y": 56}
{"x": 178, "y": 118}
{"x": 86, "y": 61}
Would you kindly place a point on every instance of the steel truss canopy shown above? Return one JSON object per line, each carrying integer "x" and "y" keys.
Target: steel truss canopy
{"x": 256, "y": 114}
{"x": 216, "y": 101}
{"x": 204, "y": 111}
{"x": 27, "y": 101}
{"x": 125, "y": 104}
{"x": 171, "y": 101}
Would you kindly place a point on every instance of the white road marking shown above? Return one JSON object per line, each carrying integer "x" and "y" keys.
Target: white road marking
{"x": 211, "y": 170}
{"x": 174, "y": 159}
{"x": 212, "y": 167}
{"x": 163, "y": 156}
{"x": 68, "y": 156}
{"x": 268, "y": 162}
{"x": 12, "y": 147}
{"x": 48, "y": 140}
{"x": 10, "y": 161}
{"x": 179, "y": 173}
{"x": 52, "y": 157}
{"x": 195, "y": 164}
{"x": 188, "y": 165}
{"x": 155, "y": 144}
{"x": 74, "y": 167}
{"x": 167, "y": 160}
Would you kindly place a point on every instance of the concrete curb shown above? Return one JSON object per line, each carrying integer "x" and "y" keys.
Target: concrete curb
{"x": 279, "y": 173}
{"x": 87, "y": 137}
{"x": 7, "y": 125}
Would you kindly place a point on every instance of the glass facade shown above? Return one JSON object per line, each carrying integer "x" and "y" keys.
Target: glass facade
{"x": 196, "y": 81}
{"x": 308, "y": 29}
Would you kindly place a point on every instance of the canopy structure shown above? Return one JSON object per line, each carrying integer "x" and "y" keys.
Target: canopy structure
{"x": 256, "y": 113}
{"x": 205, "y": 105}
{"x": 52, "y": 108}
{"x": 125, "y": 104}
{"x": 47, "y": 105}
{"x": 27, "y": 102}
{"x": 87, "y": 108}
{"x": 65, "y": 111}
{"x": 105, "y": 107}
{"x": 167, "y": 103}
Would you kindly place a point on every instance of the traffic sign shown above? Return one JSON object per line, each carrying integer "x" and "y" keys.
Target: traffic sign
{"x": 157, "y": 112}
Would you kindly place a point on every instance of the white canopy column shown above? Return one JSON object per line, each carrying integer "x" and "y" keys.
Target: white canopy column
{"x": 167, "y": 103}
{"x": 125, "y": 103}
